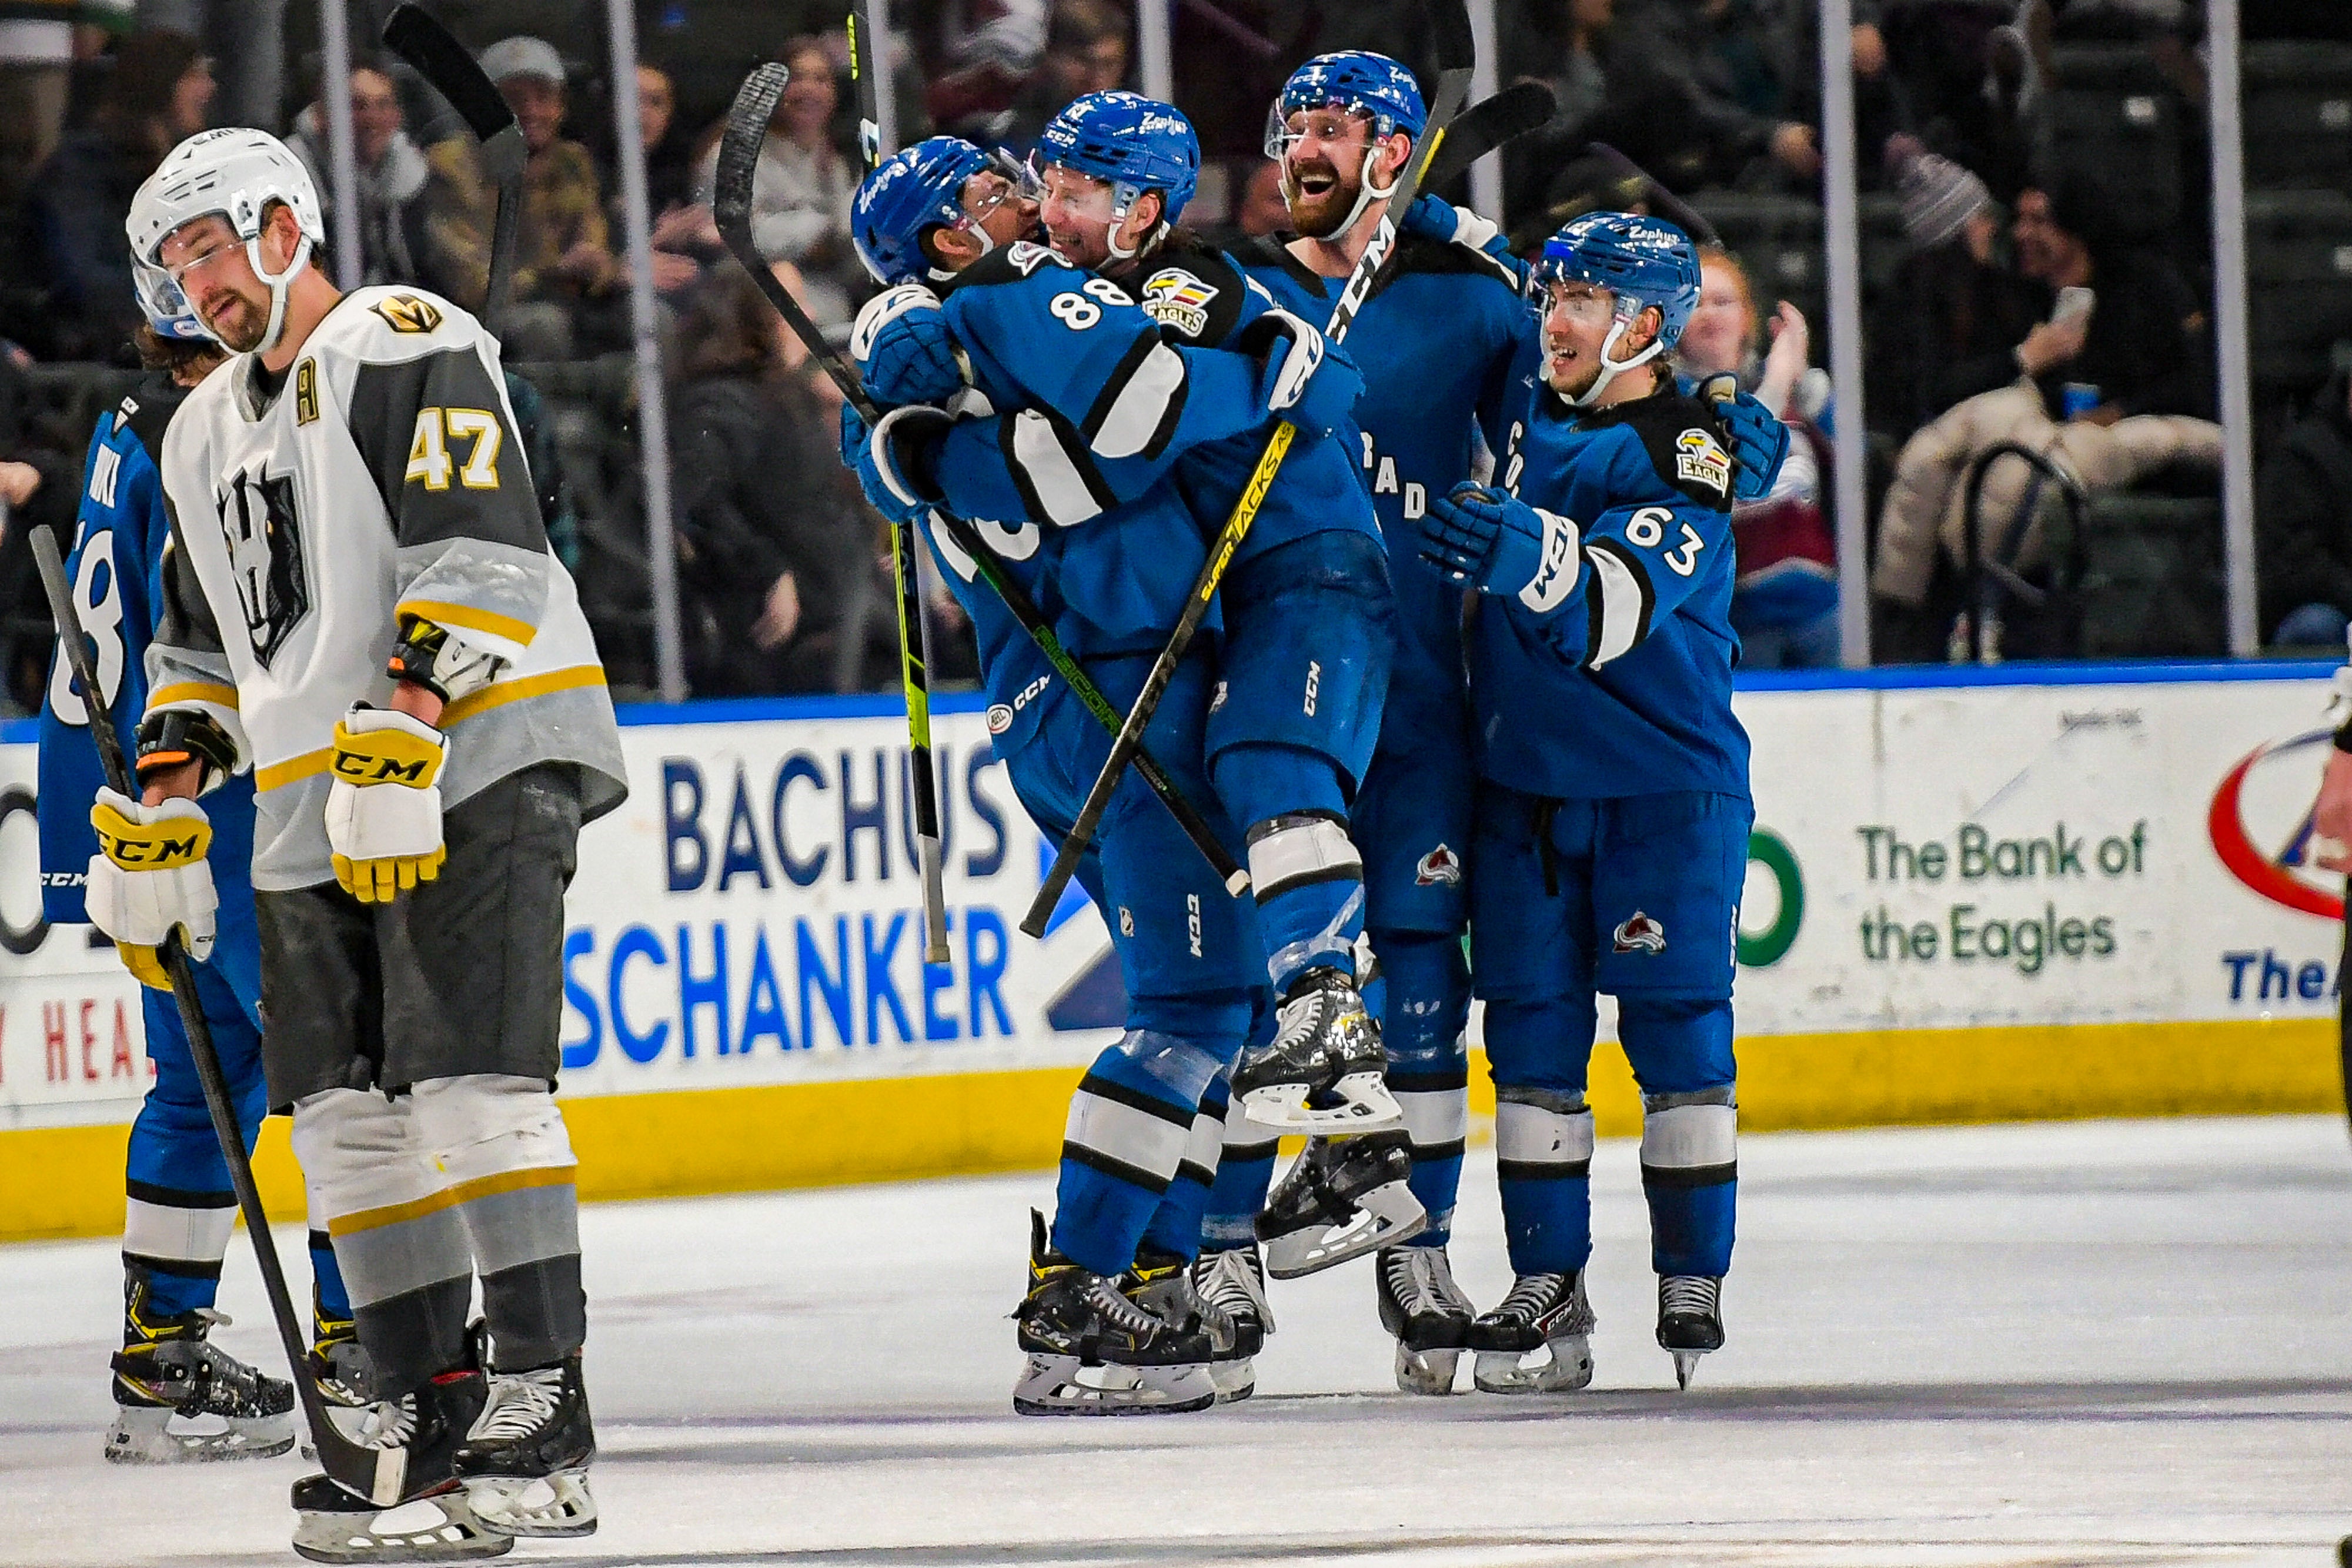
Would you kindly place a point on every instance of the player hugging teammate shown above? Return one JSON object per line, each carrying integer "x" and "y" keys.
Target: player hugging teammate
{"x": 1086, "y": 481}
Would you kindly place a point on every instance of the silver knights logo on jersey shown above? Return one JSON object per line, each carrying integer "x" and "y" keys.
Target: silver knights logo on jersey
{"x": 1175, "y": 297}
{"x": 1701, "y": 459}
{"x": 1639, "y": 934}
{"x": 1441, "y": 867}
{"x": 265, "y": 552}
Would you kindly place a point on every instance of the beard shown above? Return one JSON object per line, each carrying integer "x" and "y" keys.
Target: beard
{"x": 1318, "y": 211}
{"x": 237, "y": 324}
{"x": 1576, "y": 379}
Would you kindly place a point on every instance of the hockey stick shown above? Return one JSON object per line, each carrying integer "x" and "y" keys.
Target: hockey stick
{"x": 1665, "y": 203}
{"x": 739, "y": 155}
{"x": 375, "y": 1474}
{"x": 914, "y": 626}
{"x": 1487, "y": 125}
{"x": 413, "y": 33}
{"x": 1455, "y": 51}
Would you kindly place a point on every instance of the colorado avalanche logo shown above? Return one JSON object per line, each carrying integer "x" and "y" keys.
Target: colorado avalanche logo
{"x": 1441, "y": 867}
{"x": 1639, "y": 934}
{"x": 2279, "y": 793}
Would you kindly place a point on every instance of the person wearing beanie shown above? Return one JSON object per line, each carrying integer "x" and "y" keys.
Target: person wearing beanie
{"x": 1939, "y": 198}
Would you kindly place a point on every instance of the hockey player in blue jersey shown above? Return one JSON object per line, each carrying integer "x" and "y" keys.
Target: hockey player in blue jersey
{"x": 1612, "y": 811}
{"x": 177, "y": 1396}
{"x": 1108, "y": 1325}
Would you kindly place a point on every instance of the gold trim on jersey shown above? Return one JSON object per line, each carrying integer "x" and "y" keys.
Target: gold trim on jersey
{"x": 500, "y": 693}
{"x": 192, "y": 692}
{"x": 450, "y": 1197}
{"x": 294, "y": 769}
{"x": 465, "y": 618}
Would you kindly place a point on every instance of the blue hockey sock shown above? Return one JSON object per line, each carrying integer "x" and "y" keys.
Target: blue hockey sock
{"x": 1175, "y": 1224}
{"x": 1130, "y": 1123}
{"x": 1681, "y": 1053}
{"x": 1309, "y": 878}
{"x": 333, "y": 1300}
{"x": 1543, "y": 1162}
{"x": 171, "y": 1292}
{"x": 1422, "y": 1005}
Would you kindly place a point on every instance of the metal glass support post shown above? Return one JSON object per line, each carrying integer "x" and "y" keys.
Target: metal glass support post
{"x": 1844, "y": 235}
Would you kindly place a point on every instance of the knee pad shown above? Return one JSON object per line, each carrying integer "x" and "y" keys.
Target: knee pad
{"x": 489, "y": 1125}
{"x": 1676, "y": 1044}
{"x": 358, "y": 1150}
{"x": 1541, "y": 1135}
{"x": 1259, "y": 780}
{"x": 1215, "y": 1019}
{"x": 1546, "y": 1043}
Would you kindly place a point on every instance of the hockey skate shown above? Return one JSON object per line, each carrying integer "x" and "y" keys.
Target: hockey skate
{"x": 1341, "y": 1198}
{"x": 1322, "y": 1071}
{"x": 345, "y": 1380}
{"x": 525, "y": 1460}
{"x": 1426, "y": 1313}
{"x": 178, "y": 1398}
{"x": 1232, "y": 1284}
{"x": 1091, "y": 1351}
{"x": 1538, "y": 1340}
{"x": 1690, "y": 1320}
{"x": 433, "y": 1521}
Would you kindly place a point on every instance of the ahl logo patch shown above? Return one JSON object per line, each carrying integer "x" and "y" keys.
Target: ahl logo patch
{"x": 1440, "y": 867}
{"x": 1639, "y": 934}
{"x": 1701, "y": 459}
{"x": 1174, "y": 298}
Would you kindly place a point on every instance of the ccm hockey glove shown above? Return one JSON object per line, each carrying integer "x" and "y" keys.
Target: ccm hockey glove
{"x": 1304, "y": 380}
{"x": 904, "y": 350}
{"x": 148, "y": 877}
{"x": 1757, "y": 436}
{"x": 384, "y": 810}
{"x": 893, "y": 459}
{"x": 1482, "y": 537}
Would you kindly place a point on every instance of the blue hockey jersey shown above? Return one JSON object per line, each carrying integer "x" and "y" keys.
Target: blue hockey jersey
{"x": 1435, "y": 340}
{"x": 1611, "y": 675}
{"x": 116, "y": 570}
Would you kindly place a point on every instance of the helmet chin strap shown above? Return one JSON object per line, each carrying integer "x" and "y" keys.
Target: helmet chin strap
{"x": 1366, "y": 194}
{"x": 1611, "y": 369}
{"x": 280, "y": 285}
{"x": 1125, "y": 199}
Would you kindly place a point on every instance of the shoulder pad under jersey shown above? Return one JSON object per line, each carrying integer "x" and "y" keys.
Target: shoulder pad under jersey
{"x": 1684, "y": 445}
{"x": 1007, "y": 264}
{"x": 1193, "y": 292}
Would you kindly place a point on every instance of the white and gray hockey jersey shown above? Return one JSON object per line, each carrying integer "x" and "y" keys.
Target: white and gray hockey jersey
{"x": 383, "y": 476}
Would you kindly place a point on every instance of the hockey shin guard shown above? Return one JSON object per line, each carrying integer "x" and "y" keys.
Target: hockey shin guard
{"x": 1309, "y": 880}
{"x": 1130, "y": 1123}
{"x": 1426, "y": 1002}
{"x": 1681, "y": 1053}
{"x": 1543, "y": 1130}
{"x": 1176, "y": 1224}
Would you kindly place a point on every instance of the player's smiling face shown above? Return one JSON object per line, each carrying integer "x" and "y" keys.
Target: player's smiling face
{"x": 1578, "y": 319}
{"x": 1323, "y": 165}
{"x": 1080, "y": 212}
{"x": 208, "y": 262}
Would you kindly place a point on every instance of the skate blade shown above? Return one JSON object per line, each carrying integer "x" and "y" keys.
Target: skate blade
{"x": 1234, "y": 1380}
{"x": 557, "y": 1506}
{"x": 1562, "y": 1365}
{"x": 1385, "y": 1216}
{"x": 145, "y": 1437}
{"x": 440, "y": 1529}
{"x": 1366, "y": 1106}
{"x": 1686, "y": 1366}
{"x": 1063, "y": 1386}
{"x": 1426, "y": 1371}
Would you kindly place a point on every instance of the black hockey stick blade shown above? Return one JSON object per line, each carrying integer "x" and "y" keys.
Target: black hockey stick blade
{"x": 417, "y": 36}
{"x": 1457, "y": 46}
{"x": 1663, "y": 202}
{"x": 1487, "y": 126}
{"x": 375, "y": 1474}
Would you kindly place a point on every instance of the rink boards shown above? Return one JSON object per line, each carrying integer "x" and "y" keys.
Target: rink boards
{"x": 1971, "y": 896}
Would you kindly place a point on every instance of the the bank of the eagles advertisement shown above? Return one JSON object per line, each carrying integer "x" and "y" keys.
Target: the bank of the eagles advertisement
{"x": 1923, "y": 857}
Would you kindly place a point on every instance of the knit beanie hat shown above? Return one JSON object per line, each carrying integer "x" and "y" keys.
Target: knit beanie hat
{"x": 1938, "y": 196}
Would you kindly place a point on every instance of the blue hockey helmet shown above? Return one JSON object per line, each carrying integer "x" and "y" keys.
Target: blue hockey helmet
{"x": 914, "y": 189}
{"x": 1355, "y": 81}
{"x": 1642, "y": 261}
{"x": 166, "y": 308}
{"x": 1131, "y": 143}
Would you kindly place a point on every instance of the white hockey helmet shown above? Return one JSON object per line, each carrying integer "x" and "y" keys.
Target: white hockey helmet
{"x": 234, "y": 173}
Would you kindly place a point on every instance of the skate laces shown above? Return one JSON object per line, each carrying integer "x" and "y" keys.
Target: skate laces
{"x": 388, "y": 1423}
{"x": 1532, "y": 1295}
{"x": 1422, "y": 1279}
{"x": 1699, "y": 1295}
{"x": 519, "y": 1404}
{"x": 1106, "y": 1298}
{"x": 1229, "y": 1282}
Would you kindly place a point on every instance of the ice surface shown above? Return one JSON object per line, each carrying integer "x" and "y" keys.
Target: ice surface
{"x": 2096, "y": 1343}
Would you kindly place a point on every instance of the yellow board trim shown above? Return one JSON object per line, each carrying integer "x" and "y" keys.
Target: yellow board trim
{"x": 192, "y": 692}
{"x": 277, "y": 775}
{"x": 68, "y": 1181}
{"x": 473, "y": 704}
{"x": 450, "y": 1197}
{"x": 466, "y": 618}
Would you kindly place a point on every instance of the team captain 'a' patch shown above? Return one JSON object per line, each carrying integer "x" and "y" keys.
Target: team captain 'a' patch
{"x": 1700, "y": 459}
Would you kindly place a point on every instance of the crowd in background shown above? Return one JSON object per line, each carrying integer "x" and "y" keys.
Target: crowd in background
{"x": 2021, "y": 302}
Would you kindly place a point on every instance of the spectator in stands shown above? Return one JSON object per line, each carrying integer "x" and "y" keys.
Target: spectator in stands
{"x": 772, "y": 546}
{"x": 684, "y": 238}
{"x": 159, "y": 95}
{"x": 801, "y": 199}
{"x": 1784, "y": 606}
{"x": 1676, "y": 70}
{"x": 565, "y": 272}
{"x": 392, "y": 176}
{"x": 1085, "y": 51}
{"x": 2303, "y": 519}
{"x": 1561, "y": 46}
{"x": 37, "y": 51}
{"x": 2118, "y": 411}
{"x": 1956, "y": 321}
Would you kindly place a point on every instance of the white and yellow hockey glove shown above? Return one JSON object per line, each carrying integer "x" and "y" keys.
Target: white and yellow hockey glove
{"x": 149, "y": 876}
{"x": 384, "y": 810}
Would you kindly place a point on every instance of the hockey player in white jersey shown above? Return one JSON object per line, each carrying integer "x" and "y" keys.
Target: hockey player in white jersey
{"x": 361, "y": 607}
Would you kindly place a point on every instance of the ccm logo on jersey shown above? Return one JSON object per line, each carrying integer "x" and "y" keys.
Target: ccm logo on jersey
{"x": 406, "y": 313}
{"x": 1174, "y": 298}
{"x": 1441, "y": 867}
{"x": 1555, "y": 578}
{"x": 1701, "y": 459}
{"x": 1639, "y": 934}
